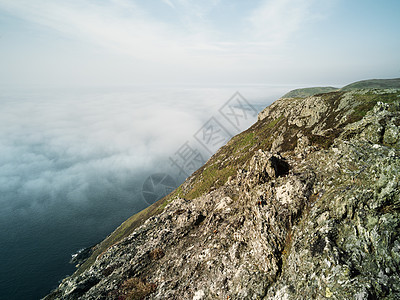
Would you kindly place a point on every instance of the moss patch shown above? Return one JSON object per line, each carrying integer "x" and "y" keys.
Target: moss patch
{"x": 211, "y": 177}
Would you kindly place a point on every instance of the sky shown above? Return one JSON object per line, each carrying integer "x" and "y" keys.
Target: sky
{"x": 128, "y": 42}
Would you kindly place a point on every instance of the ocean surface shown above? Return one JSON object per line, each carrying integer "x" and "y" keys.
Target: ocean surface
{"x": 75, "y": 163}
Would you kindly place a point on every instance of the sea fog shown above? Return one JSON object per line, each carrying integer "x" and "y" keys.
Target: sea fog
{"x": 75, "y": 163}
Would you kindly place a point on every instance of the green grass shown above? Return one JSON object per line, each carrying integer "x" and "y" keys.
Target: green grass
{"x": 306, "y": 92}
{"x": 211, "y": 177}
{"x": 373, "y": 83}
{"x": 243, "y": 142}
{"x": 368, "y": 101}
{"x": 363, "y": 84}
{"x": 273, "y": 123}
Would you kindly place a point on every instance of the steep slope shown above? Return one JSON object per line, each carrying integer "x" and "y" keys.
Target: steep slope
{"x": 304, "y": 204}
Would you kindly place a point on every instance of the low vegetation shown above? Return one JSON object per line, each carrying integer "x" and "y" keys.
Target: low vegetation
{"x": 373, "y": 84}
{"x": 135, "y": 289}
{"x": 306, "y": 92}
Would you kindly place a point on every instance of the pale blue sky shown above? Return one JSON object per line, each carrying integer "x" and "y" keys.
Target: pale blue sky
{"x": 122, "y": 42}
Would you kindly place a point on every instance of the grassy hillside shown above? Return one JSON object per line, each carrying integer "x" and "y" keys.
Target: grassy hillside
{"x": 363, "y": 84}
{"x": 306, "y": 92}
{"x": 373, "y": 84}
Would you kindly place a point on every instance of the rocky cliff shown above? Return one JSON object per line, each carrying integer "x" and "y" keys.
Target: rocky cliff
{"x": 302, "y": 205}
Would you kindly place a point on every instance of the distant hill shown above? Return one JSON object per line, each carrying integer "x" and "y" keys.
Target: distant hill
{"x": 373, "y": 83}
{"x": 306, "y": 92}
{"x": 363, "y": 84}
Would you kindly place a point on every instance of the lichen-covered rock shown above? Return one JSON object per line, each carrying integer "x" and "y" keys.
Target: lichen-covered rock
{"x": 348, "y": 242}
{"x": 318, "y": 220}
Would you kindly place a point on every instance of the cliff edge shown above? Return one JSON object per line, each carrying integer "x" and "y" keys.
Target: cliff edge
{"x": 302, "y": 205}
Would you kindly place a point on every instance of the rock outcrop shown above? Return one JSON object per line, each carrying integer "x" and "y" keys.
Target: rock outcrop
{"x": 303, "y": 205}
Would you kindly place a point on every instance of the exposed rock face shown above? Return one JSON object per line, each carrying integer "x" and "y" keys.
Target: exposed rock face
{"x": 319, "y": 219}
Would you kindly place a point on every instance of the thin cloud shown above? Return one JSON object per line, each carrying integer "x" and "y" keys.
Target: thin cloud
{"x": 169, "y": 3}
{"x": 130, "y": 41}
{"x": 114, "y": 25}
{"x": 276, "y": 21}
{"x": 126, "y": 27}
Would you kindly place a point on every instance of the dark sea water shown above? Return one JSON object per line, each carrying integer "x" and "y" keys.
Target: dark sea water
{"x": 73, "y": 164}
